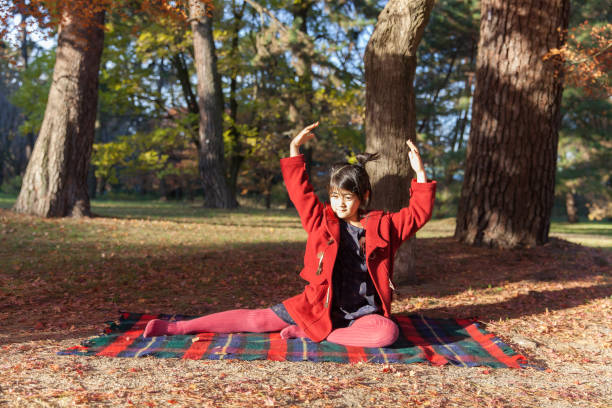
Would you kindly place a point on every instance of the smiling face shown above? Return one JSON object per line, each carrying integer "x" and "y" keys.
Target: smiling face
{"x": 349, "y": 188}
{"x": 345, "y": 204}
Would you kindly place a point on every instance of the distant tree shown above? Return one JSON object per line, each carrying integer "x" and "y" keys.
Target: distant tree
{"x": 508, "y": 188}
{"x": 587, "y": 58}
{"x": 10, "y": 115}
{"x": 584, "y": 165}
{"x": 443, "y": 86}
{"x": 390, "y": 64}
{"x": 164, "y": 158}
{"x": 55, "y": 182}
{"x": 210, "y": 100}
{"x": 585, "y": 146}
{"x": 302, "y": 65}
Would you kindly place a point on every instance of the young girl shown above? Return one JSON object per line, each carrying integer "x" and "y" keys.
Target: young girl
{"x": 348, "y": 262}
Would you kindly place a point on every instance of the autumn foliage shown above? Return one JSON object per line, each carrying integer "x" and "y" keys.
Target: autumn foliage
{"x": 48, "y": 13}
{"x": 587, "y": 58}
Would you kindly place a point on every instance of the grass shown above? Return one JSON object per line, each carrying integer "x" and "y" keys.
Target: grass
{"x": 597, "y": 234}
{"x": 62, "y": 278}
{"x": 7, "y": 200}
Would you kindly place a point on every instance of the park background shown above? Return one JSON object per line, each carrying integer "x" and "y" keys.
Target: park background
{"x": 155, "y": 245}
{"x": 274, "y": 81}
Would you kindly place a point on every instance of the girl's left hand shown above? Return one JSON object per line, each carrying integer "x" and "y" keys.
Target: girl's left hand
{"x": 416, "y": 162}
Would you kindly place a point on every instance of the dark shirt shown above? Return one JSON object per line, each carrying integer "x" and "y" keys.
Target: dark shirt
{"x": 354, "y": 294}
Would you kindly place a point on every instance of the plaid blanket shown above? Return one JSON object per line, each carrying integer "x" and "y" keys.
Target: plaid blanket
{"x": 437, "y": 341}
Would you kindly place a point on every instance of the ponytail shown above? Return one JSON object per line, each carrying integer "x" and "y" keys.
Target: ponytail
{"x": 363, "y": 158}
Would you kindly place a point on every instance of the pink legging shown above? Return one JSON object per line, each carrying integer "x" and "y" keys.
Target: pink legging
{"x": 367, "y": 331}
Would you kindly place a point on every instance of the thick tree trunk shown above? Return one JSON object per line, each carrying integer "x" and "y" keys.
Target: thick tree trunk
{"x": 508, "y": 188}
{"x": 390, "y": 64}
{"x": 55, "y": 181}
{"x": 211, "y": 163}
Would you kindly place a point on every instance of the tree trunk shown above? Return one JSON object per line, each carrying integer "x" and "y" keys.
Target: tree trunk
{"x": 211, "y": 163}
{"x": 508, "y": 188}
{"x": 55, "y": 181}
{"x": 302, "y": 110}
{"x": 457, "y": 141}
{"x": 570, "y": 207}
{"x": 24, "y": 42}
{"x": 182, "y": 73}
{"x": 390, "y": 64}
{"x": 10, "y": 118}
{"x": 236, "y": 156}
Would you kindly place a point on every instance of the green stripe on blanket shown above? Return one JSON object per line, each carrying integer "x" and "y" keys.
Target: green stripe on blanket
{"x": 438, "y": 341}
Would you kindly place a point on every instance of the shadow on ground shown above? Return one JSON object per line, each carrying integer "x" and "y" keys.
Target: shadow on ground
{"x": 53, "y": 301}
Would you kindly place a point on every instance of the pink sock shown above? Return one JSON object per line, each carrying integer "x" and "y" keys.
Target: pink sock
{"x": 230, "y": 321}
{"x": 368, "y": 331}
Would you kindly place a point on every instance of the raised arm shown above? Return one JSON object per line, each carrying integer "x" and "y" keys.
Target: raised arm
{"x": 299, "y": 188}
{"x": 422, "y": 193}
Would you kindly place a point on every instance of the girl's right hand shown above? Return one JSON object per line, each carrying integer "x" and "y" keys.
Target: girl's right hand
{"x": 302, "y": 137}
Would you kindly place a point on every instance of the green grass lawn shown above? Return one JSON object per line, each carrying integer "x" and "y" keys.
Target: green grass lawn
{"x": 589, "y": 233}
{"x": 7, "y": 200}
{"x": 596, "y": 234}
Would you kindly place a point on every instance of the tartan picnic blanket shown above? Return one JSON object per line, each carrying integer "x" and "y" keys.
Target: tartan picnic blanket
{"x": 437, "y": 341}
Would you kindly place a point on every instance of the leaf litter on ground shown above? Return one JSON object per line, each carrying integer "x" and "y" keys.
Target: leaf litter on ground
{"x": 61, "y": 279}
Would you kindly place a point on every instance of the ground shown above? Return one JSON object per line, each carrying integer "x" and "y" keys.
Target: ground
{"x": 61, "y": 279}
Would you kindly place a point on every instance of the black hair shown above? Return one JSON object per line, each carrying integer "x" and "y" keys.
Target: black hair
{"x": 353, "y": 177}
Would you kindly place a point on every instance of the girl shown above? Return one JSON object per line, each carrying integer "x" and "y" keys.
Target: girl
{"x": 348, "y": 262}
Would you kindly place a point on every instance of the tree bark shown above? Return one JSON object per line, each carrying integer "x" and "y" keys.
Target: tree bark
{"x": 570, "y": 206}
{"x": 302, "y": 110}
{"x": 10, "y": 118}
{"x": 236, "y": 156}
{"x": 390, "y": 64}
{"x": 210, "y": 101}
{"x": 55, "y": 181}
{"x": 508, "y": 189}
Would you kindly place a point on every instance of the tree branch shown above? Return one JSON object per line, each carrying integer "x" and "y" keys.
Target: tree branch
{"x": 262, "y": 10}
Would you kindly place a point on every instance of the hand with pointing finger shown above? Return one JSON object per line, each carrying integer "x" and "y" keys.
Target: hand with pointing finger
{"x": 302, "y": 137}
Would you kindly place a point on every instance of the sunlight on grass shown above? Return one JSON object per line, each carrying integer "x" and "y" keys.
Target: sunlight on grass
{"x": 193, "y": 212}
{"x": 225, "y": 227}
{"x": 438, "y": 228}
{"x": 591, "y": 228}
{"x": 7, "y": 200}
{"x": 597, "y": 234}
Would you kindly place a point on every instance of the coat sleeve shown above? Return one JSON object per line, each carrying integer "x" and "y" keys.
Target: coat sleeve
{"x": 301, "y": 192}
{"x": 409, "y": 220}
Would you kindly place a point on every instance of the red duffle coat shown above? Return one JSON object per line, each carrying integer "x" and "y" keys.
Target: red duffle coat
{"x": 385, "y": 232}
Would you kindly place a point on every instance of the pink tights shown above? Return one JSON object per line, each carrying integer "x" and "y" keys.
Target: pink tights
{"x": 230, "y": 321}
{"x": 367, "y": 331}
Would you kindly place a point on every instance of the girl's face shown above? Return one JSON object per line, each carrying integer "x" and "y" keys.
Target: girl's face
{"x": 345, "y": 204}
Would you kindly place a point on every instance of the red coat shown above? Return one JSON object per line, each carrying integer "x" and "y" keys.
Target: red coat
{"x": 384, "y": 233}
